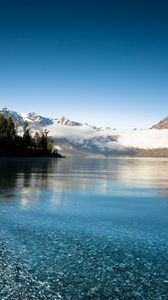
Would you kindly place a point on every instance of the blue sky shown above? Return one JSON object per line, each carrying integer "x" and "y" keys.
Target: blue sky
{"x": 101, "y": 62}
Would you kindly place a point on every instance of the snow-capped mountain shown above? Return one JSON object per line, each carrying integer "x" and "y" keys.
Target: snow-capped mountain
{"x": 65, "y": 121}
{"x": 35, "y": 119}
{"x": 74, "y": 138}
{"x": 15, "y": 115}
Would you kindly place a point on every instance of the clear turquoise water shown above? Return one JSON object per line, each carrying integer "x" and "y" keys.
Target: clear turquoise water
{"x": 89, "y": 228}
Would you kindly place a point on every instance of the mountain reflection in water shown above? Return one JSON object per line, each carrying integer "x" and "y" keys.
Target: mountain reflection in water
{"x": 30, "y": 177}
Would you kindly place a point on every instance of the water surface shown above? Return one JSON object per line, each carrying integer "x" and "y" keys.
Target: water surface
{"x": 88, "y": 228}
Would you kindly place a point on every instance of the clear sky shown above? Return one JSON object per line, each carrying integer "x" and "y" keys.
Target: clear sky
{"x": 102, "y": 62}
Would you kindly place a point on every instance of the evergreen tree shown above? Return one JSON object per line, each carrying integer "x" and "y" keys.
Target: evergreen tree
{"x": 25, "y": 125}
{"x": 13, "y": 144}
{"x": 3, "y": 130}
{"x": 44, "y": 139}
{"x": 27, "y": 139}
{"x": 50, "y": 146}
{"x": 37, "y": 140}
{"x": 3, "y": 124}
{"x": 11, "y": 129}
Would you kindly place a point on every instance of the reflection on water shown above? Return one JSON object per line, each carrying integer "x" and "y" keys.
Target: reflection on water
{"x": 104, "y": 217}
{"x": 30, "y": 178}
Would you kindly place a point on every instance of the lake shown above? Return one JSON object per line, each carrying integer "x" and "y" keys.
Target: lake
{"x": 83, "y": 228}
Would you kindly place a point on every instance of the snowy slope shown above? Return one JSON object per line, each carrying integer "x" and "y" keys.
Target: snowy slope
{"x": 34, "y": 118}
{"x": 17, "y": 117}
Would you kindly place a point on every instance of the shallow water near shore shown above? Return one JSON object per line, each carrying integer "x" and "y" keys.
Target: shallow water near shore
{"x": 81, "y": 228}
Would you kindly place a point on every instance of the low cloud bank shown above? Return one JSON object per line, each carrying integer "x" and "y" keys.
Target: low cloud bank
{"x": 108, "y": 140}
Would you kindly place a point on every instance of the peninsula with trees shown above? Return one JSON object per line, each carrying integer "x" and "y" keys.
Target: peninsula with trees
{"x": 26, "y": 144}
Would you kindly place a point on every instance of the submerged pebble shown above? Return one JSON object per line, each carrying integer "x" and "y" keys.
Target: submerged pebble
{"x": 16, "y": 283}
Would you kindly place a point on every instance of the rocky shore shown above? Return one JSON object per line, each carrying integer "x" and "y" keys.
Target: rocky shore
{"x": 18, "y": 284}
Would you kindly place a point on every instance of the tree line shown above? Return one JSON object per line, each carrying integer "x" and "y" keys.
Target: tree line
{"x": 25, "y": 144}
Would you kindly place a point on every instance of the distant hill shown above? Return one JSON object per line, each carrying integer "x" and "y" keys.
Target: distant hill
{"x": 163, "y": 124}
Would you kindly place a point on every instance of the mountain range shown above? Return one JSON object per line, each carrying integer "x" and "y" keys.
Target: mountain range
{"x": 74, "y": 138}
